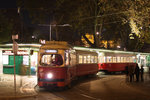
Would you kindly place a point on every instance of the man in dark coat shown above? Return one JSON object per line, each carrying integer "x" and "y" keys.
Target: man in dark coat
{"x": 137, "y": 71}
{"x": 142, "y": 71}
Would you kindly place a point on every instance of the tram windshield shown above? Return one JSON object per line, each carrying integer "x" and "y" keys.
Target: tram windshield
{"x": 51, "y": 60}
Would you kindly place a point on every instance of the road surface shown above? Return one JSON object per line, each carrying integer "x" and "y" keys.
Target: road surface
{"x": 103, "y": 87}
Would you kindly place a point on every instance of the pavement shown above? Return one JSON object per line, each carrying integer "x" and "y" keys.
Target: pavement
{"x": 143, "y": 85}
{"x": 25, "y": 86}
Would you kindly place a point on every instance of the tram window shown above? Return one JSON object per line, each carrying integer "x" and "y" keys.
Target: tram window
{"x": 73, "y": 59}
{"x": 101, "y": 59}
{"x": 92, "y": 59}
{"x": 67, "y": 58}
{"x": 128, "y": 59}
{"x": 84, "y": 59}
{"x": 105, "y": 59}
{"x": 80, "y": 59}
{"x": 52, "y": 60}
{"x": 125, "y": 59}
{"x": 95, "y": 59}
{"x": 114, "y": 59}
{"x": 88, "y": 59}
{"x": 109, "y": 59}
{"x": 118, "y": 59}
{"x": 131, "y": 59}
{"x": 121, "y": 59}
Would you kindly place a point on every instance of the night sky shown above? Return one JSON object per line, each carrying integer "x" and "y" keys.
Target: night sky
{"x": 7, "y": 3}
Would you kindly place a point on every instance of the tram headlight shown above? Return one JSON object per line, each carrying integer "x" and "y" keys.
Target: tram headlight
{"x": 49, "y": 75}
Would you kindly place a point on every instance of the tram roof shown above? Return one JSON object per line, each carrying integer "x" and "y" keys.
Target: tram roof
{"x": 56, "y": 45}
{"x": 106, "y": 50}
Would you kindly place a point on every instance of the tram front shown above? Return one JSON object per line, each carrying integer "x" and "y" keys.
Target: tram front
{"x": 51, "y": 70}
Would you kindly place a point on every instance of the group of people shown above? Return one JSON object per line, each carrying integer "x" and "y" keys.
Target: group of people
{"x": 132, "y": 71}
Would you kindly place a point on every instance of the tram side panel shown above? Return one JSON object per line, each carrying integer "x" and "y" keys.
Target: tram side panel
{"x": 86, "y": 63}
{"x": 114, "y": 67}
{"x": 115, "y": 62}
{"x": 86, "y": 69}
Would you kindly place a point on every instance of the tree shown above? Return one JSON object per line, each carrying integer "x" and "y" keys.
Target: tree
{"x": 8, "y": 24}
{"x": 5, "y": 29}
{"x": 128, "y": 13}
{"x": 118, "y": 18}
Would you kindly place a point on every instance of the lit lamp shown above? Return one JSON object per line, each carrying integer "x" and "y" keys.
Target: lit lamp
{"x": 97, "y": 33}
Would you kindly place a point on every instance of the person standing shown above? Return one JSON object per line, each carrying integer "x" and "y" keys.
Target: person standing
{"x": 137, "y": 71}
{"x": 142, "y": 71}
{"x": 131, "y": 71}
{"x": 127, "y": 73}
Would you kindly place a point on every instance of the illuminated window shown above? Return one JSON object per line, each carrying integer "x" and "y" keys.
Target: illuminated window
{"x": 124, "y": 59}
{"x": 92, "y": 59}
{"x": 88, "y": 59}
{"x": 84, "y": 59}
{"x": 109, "y": 59}
{"x": 121, "y": 59}
{"x": 52, "y": 60}
{"x": 118, "y": 59}
{"x": 34, "y": 58}
{"x": 25, "y": 60}
{"x": 131, "y": 59}
{"x": 101, "y": 59}
{"x": 5, "y": 59}
{"x": 128, "y": 59}
{"x": 95, "y": 59}
{"x": 66, "y": 58}
{"x": 80, "y": 59}
{"x": 105, "y": 59}
{"x": 114, "y": 59}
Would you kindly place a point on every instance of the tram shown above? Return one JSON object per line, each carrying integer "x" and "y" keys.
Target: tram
{"x": 116, "y": 61}
{"x": 59, "y": 64}
{"x": 111, "y": 61}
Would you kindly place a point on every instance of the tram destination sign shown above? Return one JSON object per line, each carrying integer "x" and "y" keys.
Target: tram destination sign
{"x": 51, "y": 51}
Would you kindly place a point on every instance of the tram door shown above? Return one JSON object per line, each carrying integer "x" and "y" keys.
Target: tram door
{"x": 142, "y": 61}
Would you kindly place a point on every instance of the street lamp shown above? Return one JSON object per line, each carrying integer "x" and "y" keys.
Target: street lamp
{"x": 50, "y": 28}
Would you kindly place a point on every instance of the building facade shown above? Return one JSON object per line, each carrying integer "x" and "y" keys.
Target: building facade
{"x": 25, "y": 61}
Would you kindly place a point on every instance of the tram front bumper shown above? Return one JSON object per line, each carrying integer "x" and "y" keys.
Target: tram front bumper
{"x": 52, "y": 82}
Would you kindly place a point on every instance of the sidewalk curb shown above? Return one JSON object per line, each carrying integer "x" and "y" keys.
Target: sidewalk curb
{"x": 19, "y": 94}
{"x": 17, "y": 97}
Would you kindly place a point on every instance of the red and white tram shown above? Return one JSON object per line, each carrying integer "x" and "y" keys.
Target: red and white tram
{"x": 116, "y": 61}
{"x": 113, "y": 60}
{"x": 59, "y": 64}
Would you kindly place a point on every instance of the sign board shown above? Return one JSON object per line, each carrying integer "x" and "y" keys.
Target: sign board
{"x": 14, "y": 37}
{"x": 19, "y": 52}
{"x": 51, "y": 51}
{"x": 42, "y": 41}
